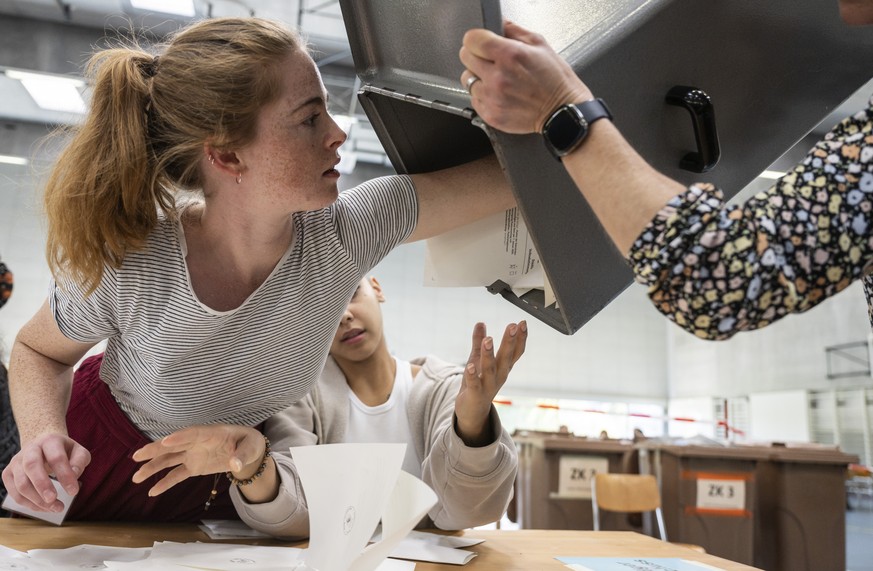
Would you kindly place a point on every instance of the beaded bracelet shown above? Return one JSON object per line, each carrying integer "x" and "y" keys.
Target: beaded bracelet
{"x": 267, "y": 453}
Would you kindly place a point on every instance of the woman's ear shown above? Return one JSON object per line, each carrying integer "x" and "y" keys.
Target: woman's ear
{"x": 226, "y": 161}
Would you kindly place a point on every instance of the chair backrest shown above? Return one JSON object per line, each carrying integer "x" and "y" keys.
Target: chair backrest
{"x": 626, "y": 493}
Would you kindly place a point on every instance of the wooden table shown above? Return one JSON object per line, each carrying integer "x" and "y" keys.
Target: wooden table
{"x": 503, "y": 550}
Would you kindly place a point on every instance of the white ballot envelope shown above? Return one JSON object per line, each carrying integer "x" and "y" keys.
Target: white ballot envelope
{"x": 349, "y": 488}
{"x": 56, "y": 518}
{"x": 498, "y": 247}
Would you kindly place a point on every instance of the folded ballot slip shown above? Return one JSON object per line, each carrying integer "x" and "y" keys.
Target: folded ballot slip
{"x": 56, "y": 518}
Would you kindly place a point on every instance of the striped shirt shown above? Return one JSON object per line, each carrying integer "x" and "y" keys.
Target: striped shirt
{"x": 172, "y": 362}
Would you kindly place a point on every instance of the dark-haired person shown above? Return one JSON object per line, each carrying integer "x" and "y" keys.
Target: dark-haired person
{"x": 8, "y": 434}
{"x": 215, "y": 310}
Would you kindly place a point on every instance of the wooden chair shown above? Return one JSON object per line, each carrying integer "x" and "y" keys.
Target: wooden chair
{"x": 629, "y": 493}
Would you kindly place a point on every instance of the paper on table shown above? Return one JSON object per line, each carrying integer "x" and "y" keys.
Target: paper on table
{"x": 419, "y": 550}
{"x": 56, "y": 518}
{"x": 396, "y": 565}
{"x": 213, "y": 556}
{"x": 25, "y": 564}
{"x": 432, "y": 547}
{"x": 348, "y": 488}
{"x": 229, "y": 529}
{"x": 9, "y": 552}
{"x": 409, "y": 502}
{"x": 451, "y": 541}
{"x": 635, "y": 563}
{"x": 495, "y": 248}
{"x": 87, "y": 556}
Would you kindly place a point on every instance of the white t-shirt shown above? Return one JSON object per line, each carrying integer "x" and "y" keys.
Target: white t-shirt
{"x": 171, "y": 362}
{"x": 387, "y": 422}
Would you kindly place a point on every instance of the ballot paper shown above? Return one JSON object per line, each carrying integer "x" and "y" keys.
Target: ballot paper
{"x": 8, "y": 552}
{"x": 434, "y": 548}
{"x": 56, "y": 518}
{"x": 86, "y": 556}
{"x": 633, "y": 564}
{"x": 498, "y": 247}
{"x": 213, "y": 556}
{"x": 229, "y": 529}
{"x": 167, "y": 556}
{"x": 349, "y": 488}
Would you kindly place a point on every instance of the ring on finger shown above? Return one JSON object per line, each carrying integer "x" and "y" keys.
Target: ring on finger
{"x": 470, "y": 81}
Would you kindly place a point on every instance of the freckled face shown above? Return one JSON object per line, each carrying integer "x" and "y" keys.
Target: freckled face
{"x": 857, "y": 12}
{"x": 291, "y": 161}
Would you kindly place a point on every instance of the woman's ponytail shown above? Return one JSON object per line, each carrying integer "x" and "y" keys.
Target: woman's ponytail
{"x": 103, "y": 195}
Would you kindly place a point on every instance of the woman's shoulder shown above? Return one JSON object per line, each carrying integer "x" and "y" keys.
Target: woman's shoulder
{"x": 164, "y": 242}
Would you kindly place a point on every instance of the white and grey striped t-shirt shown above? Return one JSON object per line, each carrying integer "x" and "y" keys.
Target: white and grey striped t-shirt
{"x": 171, "y": 362}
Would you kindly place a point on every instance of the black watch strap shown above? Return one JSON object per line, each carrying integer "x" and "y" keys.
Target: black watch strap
{"x": 568, "y": 125}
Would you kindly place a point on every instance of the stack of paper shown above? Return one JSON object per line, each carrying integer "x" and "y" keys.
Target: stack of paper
{"x": 422, "y": 546}
{"x": 169, "y": 556}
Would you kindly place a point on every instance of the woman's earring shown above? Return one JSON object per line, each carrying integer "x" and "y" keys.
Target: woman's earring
{"x": 211, "y": 160}
{"x": 239, "y": 178}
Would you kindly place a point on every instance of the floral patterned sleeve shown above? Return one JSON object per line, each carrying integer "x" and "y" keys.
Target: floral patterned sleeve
{"x": 716, "y": 269}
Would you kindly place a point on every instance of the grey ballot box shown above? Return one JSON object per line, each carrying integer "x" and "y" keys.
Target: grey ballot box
{"x": 706, "y": 90}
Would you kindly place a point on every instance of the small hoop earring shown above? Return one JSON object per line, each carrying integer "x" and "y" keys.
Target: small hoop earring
{"x": 239, "y": 178}
{"x": 211, "y": 160}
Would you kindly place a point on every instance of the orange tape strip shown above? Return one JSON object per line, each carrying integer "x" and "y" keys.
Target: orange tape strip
{"x": 691, "y": 510}
{"x": 694, "y": 475}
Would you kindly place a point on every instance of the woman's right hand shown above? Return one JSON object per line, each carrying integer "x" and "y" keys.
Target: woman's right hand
{"x": 522, "y": 80}
{"x": 27, "y": 476}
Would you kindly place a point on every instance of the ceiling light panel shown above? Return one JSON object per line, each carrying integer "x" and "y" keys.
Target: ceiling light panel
{"x": 175, "y": 7}
{"x": 52, "y": 92}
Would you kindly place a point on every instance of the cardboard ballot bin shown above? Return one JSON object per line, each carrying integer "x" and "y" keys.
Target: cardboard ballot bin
{"x": 709, "y": 497}
{"x": 553, "y": 489}
{"x": 777, "y": 508}
{"x": 802, "y": 509}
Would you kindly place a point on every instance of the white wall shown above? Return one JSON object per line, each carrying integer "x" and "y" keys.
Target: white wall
{"x": 22, "y": 244}
{"x": 788, "y": 354}
{"x": 781, "y": 416}
{"x": 620, "y": 354}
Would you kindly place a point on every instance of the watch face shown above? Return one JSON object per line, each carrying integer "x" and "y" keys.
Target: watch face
{"x": 565, "y": 128}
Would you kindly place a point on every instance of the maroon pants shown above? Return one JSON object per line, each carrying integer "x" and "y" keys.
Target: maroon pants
{"x": 107, "y": 492}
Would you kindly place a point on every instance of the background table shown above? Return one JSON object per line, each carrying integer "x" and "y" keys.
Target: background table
{"x": 503, "y": 550}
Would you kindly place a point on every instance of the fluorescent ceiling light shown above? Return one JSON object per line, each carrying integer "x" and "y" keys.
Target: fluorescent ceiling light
{"x": 177, "y": 7}
{"x": 10, "y": 160}
{"x": 51, "y": 92}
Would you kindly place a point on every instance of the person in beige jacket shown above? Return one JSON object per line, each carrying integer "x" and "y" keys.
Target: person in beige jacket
{"x": 443, "y": 411}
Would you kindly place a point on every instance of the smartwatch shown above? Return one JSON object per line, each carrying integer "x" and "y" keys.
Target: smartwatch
{"x": 568, "y": 125}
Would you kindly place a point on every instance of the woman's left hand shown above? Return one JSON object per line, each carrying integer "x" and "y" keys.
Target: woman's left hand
{"x": 201, "y": 450}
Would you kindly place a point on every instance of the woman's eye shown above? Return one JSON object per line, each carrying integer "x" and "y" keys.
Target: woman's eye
{"x": 311, "y": 119}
